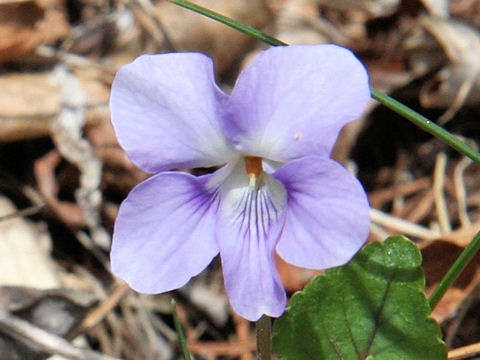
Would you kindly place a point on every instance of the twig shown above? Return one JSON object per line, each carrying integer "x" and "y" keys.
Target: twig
{"x": 242, "y": 329}
{"x": 32, "y": 210}
{"x": 402, "y": 226}
{"x": 75, "y": 60}
{"x": 461, "y": 191}
{"x": 464, "y": 352}
{"x": 438, "y": 185}
{"x": 462, "y": 311}
{"x": 378, "y": 232}
{"x": 420, "y": 207}
{"x": 459, "y": 100}
{"x": 158, "y": 346}
{"x": 98, "y": 313}
{"x": 379, "y": 197}
{"x": 52, "y": 344}
{"x": 459, "y": 183}
{"x": 216, "y": 349}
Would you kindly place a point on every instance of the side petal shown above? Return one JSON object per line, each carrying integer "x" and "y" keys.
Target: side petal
{"x": 166, "y": 111}
{"x": 292, "y": 101}
{"x": 249, "y": 225}
{"x": 327, "y": 214}
{"x": 164, "y": 233}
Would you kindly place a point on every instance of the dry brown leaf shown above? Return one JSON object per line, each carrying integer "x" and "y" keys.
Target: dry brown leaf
{"x": 165, "y": 27}
{"x": 298, "y": 22}
{"x": 55, "y": 311}
{"x": 372, "y": 8}
{"x": 437, "y": 8}
{"x": 466, "y": 10}
{"x": 190, "y": 32}
{"x": 29, "y": 102}
{"x": 438, "y": 256}
{"x": 457, "y": 83}
{"x": 24, "y": 253}
{"x": 27, "y": 24}
{"x": 293, "y": 278}
{"x": 463, "y": 236}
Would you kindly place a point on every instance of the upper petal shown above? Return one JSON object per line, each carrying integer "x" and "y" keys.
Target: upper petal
{"x": 166, "y": 111}
{"x": 249, "y": 224}
{"x": 327, "y": 214}
{"x": 164, "y": 233}
{"x": 293, "y": 100}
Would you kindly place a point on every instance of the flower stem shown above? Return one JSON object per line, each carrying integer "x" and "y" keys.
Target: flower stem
{"x": 264, "y": 338}
{"x": 452, "y": 274}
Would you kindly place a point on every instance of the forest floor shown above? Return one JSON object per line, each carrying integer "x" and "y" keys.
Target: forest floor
{"x": 61, "y": 182}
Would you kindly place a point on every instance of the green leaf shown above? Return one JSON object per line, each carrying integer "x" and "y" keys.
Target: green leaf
{"x": 372, "y": 308}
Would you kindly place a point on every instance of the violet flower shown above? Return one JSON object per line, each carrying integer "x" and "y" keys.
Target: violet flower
{"x": 276, "y": 190}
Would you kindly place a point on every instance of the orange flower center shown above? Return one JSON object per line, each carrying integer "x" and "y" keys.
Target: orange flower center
{"x": 253, "y": 165}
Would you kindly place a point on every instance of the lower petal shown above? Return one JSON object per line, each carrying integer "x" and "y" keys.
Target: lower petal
{"x": 327, "y": 214}
{"x": 251, "y": 278}
{"x": 249, "y": 224}
{"x": 164, "y": 233}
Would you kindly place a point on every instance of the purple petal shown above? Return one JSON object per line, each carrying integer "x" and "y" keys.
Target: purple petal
{"x": 292, "y": 101}
{"x": 251, "y": 278}
{"x": 166, "y": 111}
{"x": 164, "y": 233}
{"x": 250, "y": 221}
{"x": 327, "y": 214}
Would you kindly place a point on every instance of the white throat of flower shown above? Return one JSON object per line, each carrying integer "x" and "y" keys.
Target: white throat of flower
{"x": 249, "y": 197}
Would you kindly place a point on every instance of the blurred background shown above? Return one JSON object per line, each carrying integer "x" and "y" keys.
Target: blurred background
{"x": 63, "y": 174}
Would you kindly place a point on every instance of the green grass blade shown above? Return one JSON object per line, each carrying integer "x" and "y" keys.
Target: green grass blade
{"x": 425, "y": 124}
{"x": 178, "y": 328}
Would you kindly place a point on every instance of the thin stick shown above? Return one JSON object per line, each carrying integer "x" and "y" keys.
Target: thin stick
{"x": 464, "y": 352}
{"x": 97, "y": 314}
{"x": 403, "y": 226}
{"x": 52, "y": 344}
{"x": 32, "y": 210}
{"x": 264, "y": 338}
{"x": 438, "y": 187}
{"x": 461, "y": 191}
